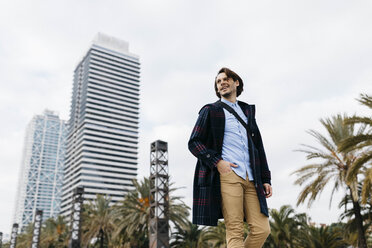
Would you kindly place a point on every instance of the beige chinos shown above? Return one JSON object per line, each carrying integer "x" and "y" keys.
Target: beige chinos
{"x": 239, "y": 200}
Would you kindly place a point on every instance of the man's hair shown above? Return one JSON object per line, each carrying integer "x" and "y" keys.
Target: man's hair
{"x": 230, "y": 74}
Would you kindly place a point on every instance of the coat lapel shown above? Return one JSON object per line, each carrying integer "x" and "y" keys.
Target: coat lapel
{"x": 247, "y": 111}
{"x": 218, "y": 122}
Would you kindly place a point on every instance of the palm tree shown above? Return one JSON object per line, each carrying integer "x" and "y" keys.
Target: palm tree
{"x": 98, "y": 221}
{"x": 351, "y": 226}
{"x": 133, "y": 213}
{"x": 286, "y": 227}
{"x": 322, "y": 237}
{"x": 24, "y": 239}
{"x": 363, "y": 142}
{"x": 331, "y": 166}
{"x": 216, "y": 235}
{"x": 282, "y": 226}
{"x": 188, "y": 237}
{"x": 289, "y": 229}
{"x": 6, "y": 245}
{"x": 54, "y": 233}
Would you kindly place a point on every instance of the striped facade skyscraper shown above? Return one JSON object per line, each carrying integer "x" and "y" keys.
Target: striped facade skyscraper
{"x": 102, "y": 143}
{"x": 41, "y": 174}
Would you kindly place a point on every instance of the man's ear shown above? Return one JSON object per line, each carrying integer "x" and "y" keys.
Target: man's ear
{"x": 237, "y": 83}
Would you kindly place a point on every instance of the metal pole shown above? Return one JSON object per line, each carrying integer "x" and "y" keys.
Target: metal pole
{"x": 13, "y": 237}
{"x": 159, "y": 196}
{"x": 37, "y": 228}
{"x": 77, "y": 208}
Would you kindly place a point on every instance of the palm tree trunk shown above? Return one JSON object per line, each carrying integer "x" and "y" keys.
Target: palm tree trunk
{"x": 362, "y": 242}
{"x": 101, "y": 238}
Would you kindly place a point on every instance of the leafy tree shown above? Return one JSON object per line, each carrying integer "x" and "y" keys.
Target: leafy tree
{"x": 282, "y": 226}
{"x": 351, "y": 226}
{"x": 216, "y": 235}
{"x": 133, "y": 213}
{"x": 24, "y": 239}
{"x": 6, "y": 245}
{"x": 287, "y": 227}
{"x": 54, "y": 233}
{"x": 190, "y": 236}
{"x": 322, "y": 237}
{"x": 98, "y": 221}
{"x": 331, "y": 166}
{"x": 361, "y": 142}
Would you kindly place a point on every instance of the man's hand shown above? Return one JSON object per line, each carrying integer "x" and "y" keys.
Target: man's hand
{"x": 268, "y": 190}
{"x": 224, "y": 166}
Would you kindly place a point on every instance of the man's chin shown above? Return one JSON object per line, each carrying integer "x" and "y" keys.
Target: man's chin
{"x": 226, "y": 95}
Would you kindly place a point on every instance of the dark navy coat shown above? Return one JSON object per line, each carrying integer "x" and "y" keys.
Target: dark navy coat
{"x": 206, "y": 144}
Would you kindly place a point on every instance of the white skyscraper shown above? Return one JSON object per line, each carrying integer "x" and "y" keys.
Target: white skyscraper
{"x": 41, "y": 174}
{"x": 102, "y": 143}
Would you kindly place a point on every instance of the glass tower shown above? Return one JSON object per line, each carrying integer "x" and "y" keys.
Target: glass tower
{"x": 102, "y": 143}
{"x": 41, "y": 174}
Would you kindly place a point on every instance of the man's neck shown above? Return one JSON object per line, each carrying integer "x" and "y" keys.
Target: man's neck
{"x": 230, "y": 98}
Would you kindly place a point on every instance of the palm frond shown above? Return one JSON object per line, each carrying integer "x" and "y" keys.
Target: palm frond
{"x": 367, "y": 187}
{"x": 334, "y": 190}
{"x": 312, "y": 170}
{"x": 351, "y": 143}
{"x": 357, "y": 165}
{"x": 336, "y": 128}
{"x": 366, "y": 100}
{"x": 322, "y": 140}
{"x": 312, "y": 190}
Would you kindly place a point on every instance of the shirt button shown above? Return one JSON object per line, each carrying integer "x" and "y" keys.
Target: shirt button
{"x": 252, "y": 134}
{"x": 208, "y": 155}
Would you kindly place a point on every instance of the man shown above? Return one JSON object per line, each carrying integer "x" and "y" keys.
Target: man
{"x": 232, "y": 179}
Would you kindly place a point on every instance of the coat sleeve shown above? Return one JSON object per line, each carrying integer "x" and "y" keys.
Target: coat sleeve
{"x": 198, "y": 140}
{"x": 265, "y": 172}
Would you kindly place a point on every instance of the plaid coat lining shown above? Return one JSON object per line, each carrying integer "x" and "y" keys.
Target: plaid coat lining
{"x": 206, "y": 144}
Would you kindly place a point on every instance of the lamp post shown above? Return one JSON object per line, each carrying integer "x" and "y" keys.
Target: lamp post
{"x": 159, "y": 196}
{"x": 37, "y": 228}
{"x": 13, "y": 236}
{"x": 77, "y": 208}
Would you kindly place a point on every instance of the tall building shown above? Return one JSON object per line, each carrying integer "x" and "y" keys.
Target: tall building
{"x": 102, "y": 143}
{"x": 41, "y": 174}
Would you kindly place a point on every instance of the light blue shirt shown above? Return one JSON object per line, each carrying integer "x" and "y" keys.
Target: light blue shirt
{"x": 235, "y": 142}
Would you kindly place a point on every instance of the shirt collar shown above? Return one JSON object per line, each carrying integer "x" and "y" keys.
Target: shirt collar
{"x": 229, "y": 103}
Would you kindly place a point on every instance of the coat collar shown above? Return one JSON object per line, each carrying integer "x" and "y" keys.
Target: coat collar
{"x": 248, "y": 109}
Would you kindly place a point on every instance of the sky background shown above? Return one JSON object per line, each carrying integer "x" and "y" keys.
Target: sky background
{"x": 300, "y": 61}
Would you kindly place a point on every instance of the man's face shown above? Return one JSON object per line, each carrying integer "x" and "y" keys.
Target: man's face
{"x": 226, "y": 86}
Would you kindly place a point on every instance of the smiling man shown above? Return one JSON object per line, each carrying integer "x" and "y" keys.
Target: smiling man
{"x": 232, "y": 179}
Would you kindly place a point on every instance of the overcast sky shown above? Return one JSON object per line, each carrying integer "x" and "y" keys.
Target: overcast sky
{"x": 300, "y": 61}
